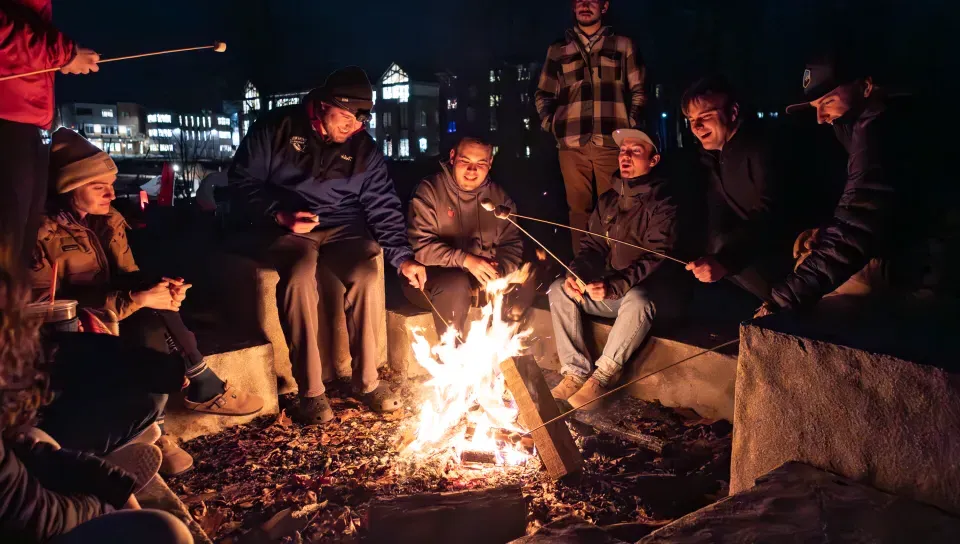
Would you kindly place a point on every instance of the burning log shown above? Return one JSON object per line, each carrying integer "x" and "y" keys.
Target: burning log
{"x": 530, "y": 390}
{"x": 472, "y": 517}
{"x": 599, "y": 422}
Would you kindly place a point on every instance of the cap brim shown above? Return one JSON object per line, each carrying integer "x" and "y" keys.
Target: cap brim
{"x": 797, "y": 108}
{"x": 622, "y": 134}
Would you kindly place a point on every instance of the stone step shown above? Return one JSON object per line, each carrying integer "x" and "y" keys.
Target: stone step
{"x": 704, "y": 384}
{"x": 249, "y": 368}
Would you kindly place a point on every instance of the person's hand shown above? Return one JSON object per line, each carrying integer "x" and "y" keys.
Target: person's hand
{"x": 83, "y": 63}
{"x": 481, "y": 268}
{"x": 178, "y": 288}
{"x": 298, "y": 222}
{"x": 707, "y": 269}
{"x": 764, "y": 310}
{"x": 158, "y": 297}
{"x": 573, "y": 289}
{"x": 596, "y": 290}
{"x": 804, "y": 245}
{"x": 415, "y": 273}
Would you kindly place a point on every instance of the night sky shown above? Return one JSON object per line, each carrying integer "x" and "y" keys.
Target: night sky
{"x": 293, "y": 44}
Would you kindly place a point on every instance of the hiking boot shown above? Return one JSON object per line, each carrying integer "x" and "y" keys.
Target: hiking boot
{"x": 566, "y": 388}
{"x": 175, "y": 459}
{"x": 591, "y": 389}
{"x": 382, "y": 399}
{"x": 142, "y": 461}
{"x": 313, "y": 410}
{"x": 229, "y": 403}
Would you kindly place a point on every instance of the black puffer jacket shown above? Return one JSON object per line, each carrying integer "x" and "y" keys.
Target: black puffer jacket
{"x": 45, "y": 492}
{"x": 883, "y": 212}
{"x": 640, "y": 211}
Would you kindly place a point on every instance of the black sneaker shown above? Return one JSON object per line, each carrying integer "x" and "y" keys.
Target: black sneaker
{"x": 313, "y": 410}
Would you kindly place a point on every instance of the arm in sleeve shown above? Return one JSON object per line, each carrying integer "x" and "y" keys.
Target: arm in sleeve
{"x": 27, "y": 43}
{"x": 636, "y": 79}
{"x": 754, "y": 237}
{"x": 661, "y": 235}
{"x": 592, "y": 258}
{"x": 509, "y": 242}
{"x": 547, "y": 90}
{"x": 428, "y": 248}
{"x": 381, "y": 206}
{"x": 34, "y": 513}
{"x": 250, "y": 171}
{"x": 851, "y": 238}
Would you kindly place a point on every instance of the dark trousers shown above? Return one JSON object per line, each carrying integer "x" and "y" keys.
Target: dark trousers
{"x": 106, "y": 393}
{"x": 334, "y": 269}
{"x": 163, "y": 331}
{"x": 23, "y": 188}
{"x": 450, "y": 290}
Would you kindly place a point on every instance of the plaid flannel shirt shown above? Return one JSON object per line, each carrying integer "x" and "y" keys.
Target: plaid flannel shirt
{"x": 584, "y": 95}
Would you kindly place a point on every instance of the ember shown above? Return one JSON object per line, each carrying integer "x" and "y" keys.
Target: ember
{"x": 466, "y": 407}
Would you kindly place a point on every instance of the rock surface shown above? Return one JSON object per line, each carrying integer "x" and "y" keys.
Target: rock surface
{"x": 798, "y": 503}
{"x": 872, "y": 417}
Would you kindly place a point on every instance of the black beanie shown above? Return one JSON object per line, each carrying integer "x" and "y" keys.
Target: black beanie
{"x": 350, "y": 87}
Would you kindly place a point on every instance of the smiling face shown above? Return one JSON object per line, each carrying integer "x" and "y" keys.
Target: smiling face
{"x": 338, "y": 124}
{"x": 471, "y": 164}
{"x": 840, "y": 101}
{"x": 712, "y": 120}
{"x": 637, "y": 158}
{"x": 589, "y": 12}
{"x": 93, "y": 198}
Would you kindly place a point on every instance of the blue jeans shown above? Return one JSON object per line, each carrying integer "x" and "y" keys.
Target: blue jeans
{"x": 634, "y": 314}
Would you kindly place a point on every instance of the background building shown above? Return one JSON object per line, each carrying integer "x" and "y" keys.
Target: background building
{"x": 406, "y": 118}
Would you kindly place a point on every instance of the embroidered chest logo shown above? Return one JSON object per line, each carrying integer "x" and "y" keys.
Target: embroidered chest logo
{"x": 70, "y": 247}
{"x": 298, "y": 143}
{"x": 450, "y": 213}
{"x": 346, "y": 158}
{"x": 806, "y": 78}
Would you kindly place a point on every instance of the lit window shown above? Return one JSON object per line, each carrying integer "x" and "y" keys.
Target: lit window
{"x": 226, "y": 148}
{"x": 395, "y": 75}
{"x": 152, "y": 118}
{"x": 223, "y": 121}
{"x": 164, "y": 118}
{"x": 663, "y": 115}
{"x": 496, "y": 149}
{"x": 526, "y": 123}
{"x": 759, "y": 115}
{"x": 423, "y": 118}
{"x": 209, "y": 122}
{"x": 224, "y": 134}
{"x": 373, "y": 120}
{"x": 528, "y": 151}
{"x": 374, "y": 97}
{"x": 423, "y": 145}
{"x": 106, "y": 113}
{"x": 451, "y": 103}
{"x": 494, "y": 125}
{"x": 152, "y": 133}
{"x": 493, "y": 76}
{"x": 236, "y": 137}
{"x": 388, "y": 147}
{"x": 97, "y": 129}
{"x": 404, "y": 147}
{"x": 387, "y": 120}
{"x": 181, "y": 120}
{"x": 251, "y": 98}
{"x": 452, "y": 126}
{"x": 494, "y": 100}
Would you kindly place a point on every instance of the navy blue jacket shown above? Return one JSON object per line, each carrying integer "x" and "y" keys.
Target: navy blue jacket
{"x": 284, "y": 165}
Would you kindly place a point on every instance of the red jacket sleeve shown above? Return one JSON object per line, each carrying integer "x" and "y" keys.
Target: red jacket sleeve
{"x": 29, "y": 43}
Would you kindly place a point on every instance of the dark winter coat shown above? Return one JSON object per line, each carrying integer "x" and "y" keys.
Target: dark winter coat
{"x": 283, "y": 164}
{"x": 45, "y": 492}
{"x": 447, "y": 223}
{"x": 29, "y": 42}
{"x": 640, "y": 211}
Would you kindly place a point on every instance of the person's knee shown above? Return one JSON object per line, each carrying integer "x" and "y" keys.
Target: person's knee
{"x": 637, "y": 301}
{"x": 453, "y": 283}
{"x": 159, "y": 526}
{"x": 557, "y": 294}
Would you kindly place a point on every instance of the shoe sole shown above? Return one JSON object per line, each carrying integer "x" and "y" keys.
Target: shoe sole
{"x": 171, "y": 474}
{"x": 140, "y": 460}
{"x": 222, "y": 413}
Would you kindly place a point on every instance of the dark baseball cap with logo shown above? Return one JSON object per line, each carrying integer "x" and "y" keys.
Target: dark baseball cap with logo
{"x": 825, "y": 73}
{"x": 349, "y": 88}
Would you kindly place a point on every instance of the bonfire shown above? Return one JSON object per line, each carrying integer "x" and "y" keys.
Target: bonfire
{"x": 467, "y": 409}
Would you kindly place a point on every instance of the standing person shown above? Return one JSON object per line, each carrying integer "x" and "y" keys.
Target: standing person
{"x": 312, "y": 183}
{"x": 875, "y": 242}
{"x": 590, "y": 86}
{"x": 463, "y": 245}
{"x": 29, "y": 42}
{"x": 623, "y": 283}
{"x": 744, "y": 206}
{"x": 84, "y": 238}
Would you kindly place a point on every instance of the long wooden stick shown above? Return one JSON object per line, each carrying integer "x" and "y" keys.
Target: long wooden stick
{"x": 219, "y": 46}
{"x": 436, "y": 311}
{"x": 580, "y": 282}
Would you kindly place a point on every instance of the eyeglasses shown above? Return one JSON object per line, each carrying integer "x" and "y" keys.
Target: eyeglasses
{"x": 363, "y": 116}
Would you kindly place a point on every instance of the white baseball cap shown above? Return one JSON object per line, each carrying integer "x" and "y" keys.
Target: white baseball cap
{"x": 622, "y": 134}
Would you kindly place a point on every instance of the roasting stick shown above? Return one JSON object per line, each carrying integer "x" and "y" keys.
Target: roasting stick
{"x": 53, "y": 282}
{"x": 631, "y": 382}
{"x": 218, "y": 47}
{"x": 436, "y": 311}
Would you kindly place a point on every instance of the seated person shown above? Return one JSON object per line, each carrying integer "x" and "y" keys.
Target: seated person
{"x": 86, "y": 238}
{"x": 49, "y": 493}
{"x": 461, "y": 244}
{"x": 623, "y": 281}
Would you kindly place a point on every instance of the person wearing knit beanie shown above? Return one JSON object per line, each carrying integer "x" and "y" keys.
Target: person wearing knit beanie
{"x": 75, "y": 162}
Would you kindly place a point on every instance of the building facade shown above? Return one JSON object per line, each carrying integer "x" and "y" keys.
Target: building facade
{"x": 406, "y": 115}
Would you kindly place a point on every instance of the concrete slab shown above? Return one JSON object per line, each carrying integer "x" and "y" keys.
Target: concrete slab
{"x": 855, "y": 408}
{"x": 247, "y": 294}
{"x": 798, "y": 503}
{"x": 249, "y": 369}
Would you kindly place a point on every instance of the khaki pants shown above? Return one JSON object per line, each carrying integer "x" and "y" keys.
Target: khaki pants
{"x": 587, "y": 172}
{"x": 339, "y": 270}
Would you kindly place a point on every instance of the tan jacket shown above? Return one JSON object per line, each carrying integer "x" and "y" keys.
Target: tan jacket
{"x": 446, "y": 223}
{"x": 90, "y": 254}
